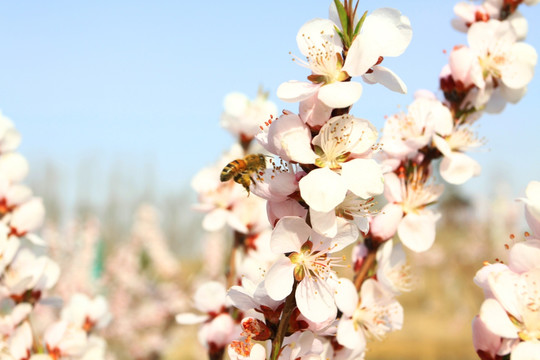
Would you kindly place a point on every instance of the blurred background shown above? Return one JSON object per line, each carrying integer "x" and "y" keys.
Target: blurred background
{"x": 118, "y": 104}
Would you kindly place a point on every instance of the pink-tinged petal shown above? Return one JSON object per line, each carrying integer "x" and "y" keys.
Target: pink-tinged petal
{"x": 458, "y": 168}
{"x": 325, "y": 223}
{"x": 346, "y": 296}
{"x": 314, "y": 112}
{"x": 417, "y": 230}
{"x": 483, "y": 339}
{"x": 280, "y": 209}
{"x": 290, "y": 233}
{"x": 349, "y": 336}
{"x": 496, "y": 320}
{"x": 322, "y": 189}
{"x": 460, "y": 62}
{"x": 524, "y": 256}
{"x": 363, "y": 177}
{"x": 389, "y": 29}
{"x": 315, "y": 299}
{"x": 503, "y": 285}
{"x": 294, "y": 91}
{"x": 190, "y": 319}
{"x": 290, "y": 138}
{"x": 521, "y": 71}
{"x": 279, "y": 279}
{"x": 384, "y": 226}
{"x": 526, "y": 350}
{"x": 340, "y": 94}
{"x": 386, "y": 78}
{"x": 392, "y": 188}
{"x": 276, "y": 185}
{"x": 317, "y": 34}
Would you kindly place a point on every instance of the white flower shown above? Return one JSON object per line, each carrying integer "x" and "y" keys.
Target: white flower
{"x": 309, "y": 262}
{"x": 385, "y": 32}
{"x": 373, "y": 315}
{"x": 340, "y": 144}
{"x": 406, "y": 208}
{"x": 242, "y": 117}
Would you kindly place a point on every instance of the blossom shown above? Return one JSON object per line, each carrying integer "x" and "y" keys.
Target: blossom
{"x": 342, "y": 145}
{"x": 452, "y": 141}
{"x": 393, "y": 270}
{"x": 405, "y": 134}
{"x": 385, "y": 32}
{"x": 86, "y": 313}
{"x": 372, "y": 315}
{"x": 242, "y": 116}
{"x": 308, "y": 263}
{"x": 407, "y": 211}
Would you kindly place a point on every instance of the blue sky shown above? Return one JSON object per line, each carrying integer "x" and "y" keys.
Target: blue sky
{"x": 139, "y": 85}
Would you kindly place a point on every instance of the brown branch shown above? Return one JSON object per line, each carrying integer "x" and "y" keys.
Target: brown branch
{"x": 367, "y": 265}
{"x": 290, "y": 304}
{"x": 231, "y": 271}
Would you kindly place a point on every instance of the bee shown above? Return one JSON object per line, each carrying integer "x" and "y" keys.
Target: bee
{"x": 241, "y": 170}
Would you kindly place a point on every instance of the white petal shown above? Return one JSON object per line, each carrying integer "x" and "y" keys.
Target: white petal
{"x": 324, "y": 223}
{"x": 279, "y": 279}
{"x": 458, "y": 168}
{"x": 417, "y": 230}
{"x": 290, "y": 233}
{"x": 521, "y": 71}
{"x": 347, "y": 234}
{"x": 526, "y": 350}
{"x": 294, "y": 91}
{"x": 315, "y": 299}
{"x": 346, "y": 296}
{"x": 318, "y": 35}
{"x": 496, "y": 319}
{"x": 387, "y": 78}
{"x": 363, "y": 177}
{"x": 384, "y": 226}
{"x": 340, "y": 94}
{"x": 322, "y": 189}
{"x": 389, "y": 29}
{"x": 349, "y": 336}
{"x": 210, "y": 296}
{"x": 524, "y": 256}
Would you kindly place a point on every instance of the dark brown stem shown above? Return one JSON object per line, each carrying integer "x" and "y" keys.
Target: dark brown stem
{"x": 367, "y": 265}
{"x": 231, "y": 271}
{"x": 290, "y": 304}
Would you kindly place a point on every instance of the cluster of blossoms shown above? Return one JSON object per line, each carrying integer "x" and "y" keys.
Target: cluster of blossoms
{"x": 323, "y": 169}
{"x": 509, "y": 319}
{"x": 25, "y": 276}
